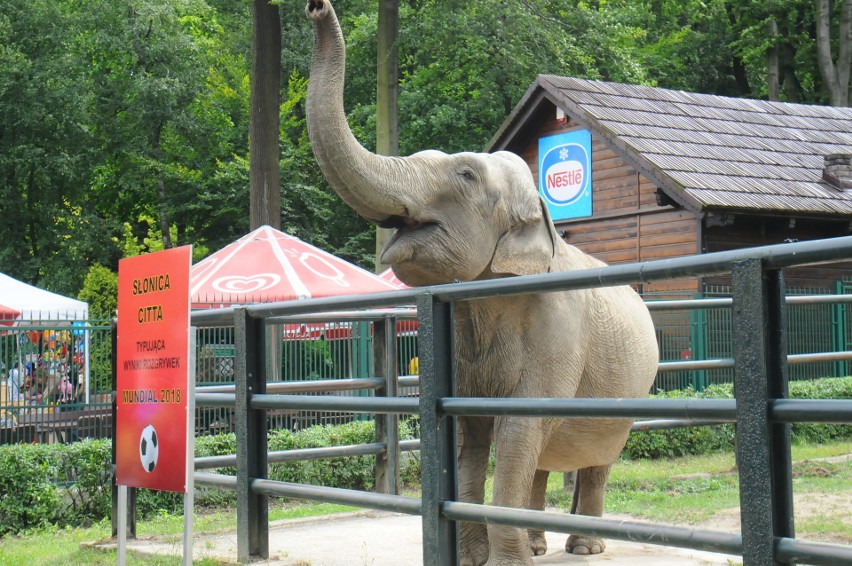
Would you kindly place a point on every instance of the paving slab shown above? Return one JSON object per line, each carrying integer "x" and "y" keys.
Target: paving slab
{"x": 374, "y": 538}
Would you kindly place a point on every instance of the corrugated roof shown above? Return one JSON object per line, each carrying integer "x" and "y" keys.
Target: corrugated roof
{"x": 709, "y": 151}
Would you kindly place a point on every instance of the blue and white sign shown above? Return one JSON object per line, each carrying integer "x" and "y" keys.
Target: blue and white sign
{"x": 565, "y": 174}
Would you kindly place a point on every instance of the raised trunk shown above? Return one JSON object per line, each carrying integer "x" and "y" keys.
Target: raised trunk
{"x": 367, "y": 182}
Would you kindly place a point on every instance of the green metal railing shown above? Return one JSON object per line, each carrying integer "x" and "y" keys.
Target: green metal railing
{"x": 761, "y": 409}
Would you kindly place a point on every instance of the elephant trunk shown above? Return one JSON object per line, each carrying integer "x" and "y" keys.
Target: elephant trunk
{"x": 365, "y": 181}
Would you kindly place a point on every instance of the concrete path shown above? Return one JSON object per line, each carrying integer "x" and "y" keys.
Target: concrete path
{"x": 373, "y": 538}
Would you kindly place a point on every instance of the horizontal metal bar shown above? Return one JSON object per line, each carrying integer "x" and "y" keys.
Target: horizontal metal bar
{"x": 383, "y": 502}
{"x": 773, "y": 257}
{"x": 346, "y": 316}
{"x": 722, "y": 302}
{"x": 295, "y": 455}
{"x": 837, "y": 411}
{"x": 720, "y": 363}
{"x": 345, "y": 302}
{"x": 717, "y": 409}
{"x": 228, "y": 460}
{"x": 221, "y": 481}
{"x": 312, "y": 386}
{"x": 788, "y": 550}
{"x": 817, "y": 299}
{"x": 819, "y": 357}
{"x": 688, "y": 304}
{"x": 668, "y": 424}
{"x": 408, "y": 381}
{"x": 209, "y": 462}
{"x": 215, "y": 399}
{"x": 344, "y": 404}
{"x": 713, "y": 541}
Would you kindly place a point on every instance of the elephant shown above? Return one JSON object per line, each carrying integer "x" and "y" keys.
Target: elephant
{"x": 474, "y": 216}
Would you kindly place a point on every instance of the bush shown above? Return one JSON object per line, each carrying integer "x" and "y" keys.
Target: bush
{"x": 698, "y": 440}
{"x": 70, "y": 484}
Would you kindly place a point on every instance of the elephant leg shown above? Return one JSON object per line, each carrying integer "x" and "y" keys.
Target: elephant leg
{"x": 474, "y": 440}
{"x": 538, "y": 543}
{"x": 518, "y": 442}
{"x": 589, "y": 492}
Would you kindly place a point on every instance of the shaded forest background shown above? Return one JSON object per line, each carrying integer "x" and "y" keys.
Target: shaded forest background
{"x": 120, "y": 119}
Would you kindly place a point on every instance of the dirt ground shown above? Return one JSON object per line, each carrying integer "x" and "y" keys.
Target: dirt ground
{"x": 373, "y": 538}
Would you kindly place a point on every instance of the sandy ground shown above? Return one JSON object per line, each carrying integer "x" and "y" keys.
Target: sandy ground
{"x": 372, "y": 538}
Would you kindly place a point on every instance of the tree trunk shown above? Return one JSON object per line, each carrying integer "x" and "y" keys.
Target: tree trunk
{"x": 157, "y": 152}
{"x": 387, "y": 118}
{"x": 164, "y": 216}
{"x": 264, "y": 155}
{"x": 772, "y": 71}
{"x": 835, "y": 73}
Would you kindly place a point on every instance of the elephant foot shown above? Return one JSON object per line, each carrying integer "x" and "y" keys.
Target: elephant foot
{"x": 474, "y": 544}
{"x": 582, "y": 544}
{"x": 538, "y": 544}
{"x": 474, "y": 555}
{"x": 510, "y": 561}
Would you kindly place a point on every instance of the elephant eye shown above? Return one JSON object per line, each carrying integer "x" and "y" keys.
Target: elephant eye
{"x": 467, "y": 174}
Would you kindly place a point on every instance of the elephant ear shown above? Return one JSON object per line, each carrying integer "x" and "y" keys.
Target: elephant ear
{"x": 527, "y": 247}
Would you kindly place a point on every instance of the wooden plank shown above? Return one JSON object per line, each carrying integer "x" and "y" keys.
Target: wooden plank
{"x": 668, "y": 251}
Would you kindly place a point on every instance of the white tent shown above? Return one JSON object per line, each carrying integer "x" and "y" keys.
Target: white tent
{"x": 22, "y": 303}
{"x": 23, "y": 307}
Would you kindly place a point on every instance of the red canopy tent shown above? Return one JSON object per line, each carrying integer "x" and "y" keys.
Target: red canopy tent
{"x": 389, "y": 276}
{"x": 268, "y": 265}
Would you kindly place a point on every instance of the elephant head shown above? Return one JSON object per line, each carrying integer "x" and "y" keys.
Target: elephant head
{"x": 457, "y": 217}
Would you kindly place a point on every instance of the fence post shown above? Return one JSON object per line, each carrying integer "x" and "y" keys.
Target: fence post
{"x": 131, "y": 491}
{"x": 438, "y": 456}
{"x": 698, "y": 343}
{"x": 249, "y": 377}
{"x": 838, "y": 330}
{"x": 760, "y": 374}
{"x": 387, "y": 426}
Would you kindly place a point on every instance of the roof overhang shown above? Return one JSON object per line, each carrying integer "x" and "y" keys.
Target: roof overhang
{"x": 540, "y": 97}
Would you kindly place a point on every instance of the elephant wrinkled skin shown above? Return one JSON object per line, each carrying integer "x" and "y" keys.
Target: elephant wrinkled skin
{"x": 478, "y": 216}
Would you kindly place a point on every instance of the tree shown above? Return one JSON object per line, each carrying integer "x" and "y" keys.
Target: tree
{"x": 387, "y": 93}
{"x": 265, "y": 201}
{"x": 46, "y": 151}
{"x": 835, "y": 72}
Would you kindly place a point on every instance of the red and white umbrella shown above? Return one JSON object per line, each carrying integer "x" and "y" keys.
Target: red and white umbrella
{"x": 389, "y": 276}
{"x": 268, "y": 265}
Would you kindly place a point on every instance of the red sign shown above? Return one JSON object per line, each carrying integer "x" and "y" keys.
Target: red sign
{"x": 153, "y": 369}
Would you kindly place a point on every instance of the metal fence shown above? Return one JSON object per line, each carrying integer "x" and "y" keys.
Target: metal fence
{"x": 762, "y": 411}
{"x": 55, "y": 373}
{"x": 320, "y": 348}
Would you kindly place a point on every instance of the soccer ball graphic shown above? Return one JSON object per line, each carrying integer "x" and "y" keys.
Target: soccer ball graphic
{"x": 149, "y": 448}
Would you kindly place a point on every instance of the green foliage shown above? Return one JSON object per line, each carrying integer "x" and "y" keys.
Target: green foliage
{"x": 699, "y": 440}
{"x": 46, "y": 484}
{"x": 119, "y": 119}
{"x": 100, "y": 290}
{"x": 69, "y": 484}
{"x": 29, "y": 474}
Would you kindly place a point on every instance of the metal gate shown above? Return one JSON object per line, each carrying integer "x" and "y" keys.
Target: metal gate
{"x": 762, "y": 410}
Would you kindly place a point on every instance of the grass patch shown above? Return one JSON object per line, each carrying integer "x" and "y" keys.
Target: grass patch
{"x": 692, "y": 490}
{"x": 687, "y": 490}
{"x": 62, "y": 547}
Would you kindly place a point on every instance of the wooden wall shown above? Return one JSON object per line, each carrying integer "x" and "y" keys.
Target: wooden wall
{"x": 627, "y": 224}
{"x": 749, "y": 231}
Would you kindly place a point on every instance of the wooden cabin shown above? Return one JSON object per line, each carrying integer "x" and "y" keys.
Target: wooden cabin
{"x": 634, "y": 173}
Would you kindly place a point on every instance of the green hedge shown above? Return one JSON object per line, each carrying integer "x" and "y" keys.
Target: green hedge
{"x": 699, "y": 440}
{"x": 69, "y": 484}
